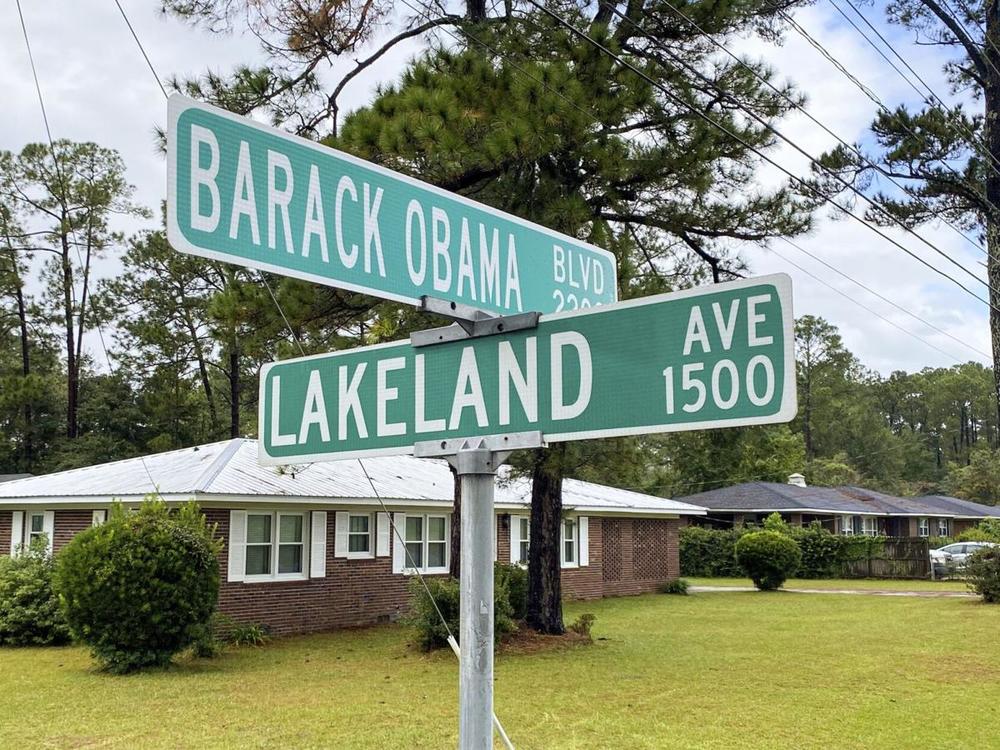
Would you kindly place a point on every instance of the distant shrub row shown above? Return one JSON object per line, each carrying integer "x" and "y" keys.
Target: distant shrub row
{"x": 711, "y": 553}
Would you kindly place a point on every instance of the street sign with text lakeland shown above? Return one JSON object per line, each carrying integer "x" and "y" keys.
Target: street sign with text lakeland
{"x": 718, "y": 356}
{"x": 244, "y": 193}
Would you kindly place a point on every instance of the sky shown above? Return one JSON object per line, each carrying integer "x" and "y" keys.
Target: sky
{"x": 97, "y": 87}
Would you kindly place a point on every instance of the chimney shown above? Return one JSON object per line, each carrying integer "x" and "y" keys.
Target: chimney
{"x": 797, "y": 479}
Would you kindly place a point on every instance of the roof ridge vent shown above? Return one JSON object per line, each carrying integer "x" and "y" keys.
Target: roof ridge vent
{"x": 217, "y": 465}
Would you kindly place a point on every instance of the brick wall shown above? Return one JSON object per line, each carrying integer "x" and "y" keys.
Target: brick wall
{"x": 6, "y": 521}
{"x": 69, "y": 523}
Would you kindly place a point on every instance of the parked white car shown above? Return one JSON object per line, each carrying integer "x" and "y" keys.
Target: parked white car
{"x": 955, "y": 555}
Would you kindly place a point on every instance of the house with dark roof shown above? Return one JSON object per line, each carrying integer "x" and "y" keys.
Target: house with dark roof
{"x": 842, "y": 510}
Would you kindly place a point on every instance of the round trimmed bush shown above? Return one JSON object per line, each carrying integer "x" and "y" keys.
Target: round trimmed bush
{"x": 982, "y": 574}
{"x": 768, "y": 558}
{"x": 141, "y": 587}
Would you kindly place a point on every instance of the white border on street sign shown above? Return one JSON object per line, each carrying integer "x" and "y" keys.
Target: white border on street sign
{"x": 177, "y": 104}
{"x": 782, "y": 282}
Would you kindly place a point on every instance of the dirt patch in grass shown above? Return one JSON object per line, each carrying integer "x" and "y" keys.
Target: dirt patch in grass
{"x": 528, "y": 641}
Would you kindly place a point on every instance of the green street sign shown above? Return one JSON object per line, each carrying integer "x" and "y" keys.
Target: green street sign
{"x": 244, "y": 193}
{"x": 719, "y": 356}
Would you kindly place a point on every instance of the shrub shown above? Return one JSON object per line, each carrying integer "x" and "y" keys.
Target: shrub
{"x": 676, "y": 586}
{"x": 142, "y": 586}
{"x": 982, "y": 574}
{"x": 709, "y": 553}
{"x": 515, "y": 577}
{"x": 822, "y": 552}
{"x": 431, "y": 632}
{"x": 583, "y": 624}
{"x": 248, "y": 634}
{"x": 987, "y": 531}
{"x": 776, "y": 523}
{"x": 768, "y": 558}
{"x": 29, "y": 609}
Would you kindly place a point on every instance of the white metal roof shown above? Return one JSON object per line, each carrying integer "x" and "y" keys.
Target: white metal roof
{"x": 229, "y": 470}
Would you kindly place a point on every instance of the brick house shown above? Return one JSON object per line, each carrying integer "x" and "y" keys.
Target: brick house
{"x": 841, "y": 510}
{"x": 310, "y": 548}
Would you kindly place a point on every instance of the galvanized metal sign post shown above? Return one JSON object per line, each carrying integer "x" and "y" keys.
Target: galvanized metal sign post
{"x": 248, "y": 194}
{"x": 707, "y": 357}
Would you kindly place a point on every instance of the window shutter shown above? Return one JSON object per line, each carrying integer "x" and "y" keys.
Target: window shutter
{"x": 317, "y": 540}
{"x": 583, "y": 529}
{"x": 515, "y": 539}
{"x": 398, "y": 550}
{"x": 383, "y": 534}
{"x": 49, "y": 527}
{"x": 16, "y": 531}
{"x": 340, "y": 534}
{"x": 237, "y": 545}
{"x": 99, "y": 517}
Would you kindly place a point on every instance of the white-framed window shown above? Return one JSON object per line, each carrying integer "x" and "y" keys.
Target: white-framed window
{"x": 275, "y": 545}
{"x": 359, "y": 535}
{"x": 871, "y": 526}
{"x": 568, "y": 543}
{"x": 943, "y": 527}
{"x": 847, "y": 525}
{"x": 523, "y": 540}
{"x": 34, "y": 528}
{"x": 426, "y": 538}
{"x": 923, "y": 527}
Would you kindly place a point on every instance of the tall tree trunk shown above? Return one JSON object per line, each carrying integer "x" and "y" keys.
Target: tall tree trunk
{"x": 455, "y": 567}
{"x": 206, "y": 383}
{"x": 72, "y": 373}
{"x": 544, "y": 564}
{"x": 234, "y": 389}
{"x": 22, "y": 317}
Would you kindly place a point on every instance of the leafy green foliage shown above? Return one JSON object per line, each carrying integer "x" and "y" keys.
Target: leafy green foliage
{"x": 768, "y": 558}
{"x": 709, "y": 553}
{"x": 823, "y": 553}
{"x": 29, "y": 609}
{"x": 677, "y": 586}
{"x": 247, "y": 634}
{"x": 984, "y": 531}
{"x": 515, "y": 579}
{"x": 142, "y": 586}
{"x": 979, "y": 480}
{"x": 583, "y": 624}
{"x": 982, "y": 573}
{"x": 444, "y": 592}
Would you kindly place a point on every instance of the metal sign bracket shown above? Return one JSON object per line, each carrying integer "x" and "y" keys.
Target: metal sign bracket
{"x": 470, "y": 322}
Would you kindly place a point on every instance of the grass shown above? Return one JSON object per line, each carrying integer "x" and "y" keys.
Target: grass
{"x": 843, "y": 583}
{"x": 726, "y": 670}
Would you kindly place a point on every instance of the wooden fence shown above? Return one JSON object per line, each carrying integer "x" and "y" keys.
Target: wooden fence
{"x": 895, "y": 557}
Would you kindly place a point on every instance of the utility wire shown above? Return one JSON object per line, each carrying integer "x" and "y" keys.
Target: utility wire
{"x": 931, "y": 98}
{"x": 832, "y": 59}
{"x": 884, "y": 298}
{"x": 767, "y": 125}
{"x": 58, "y": 167}
{"x": 141, "y": 49}
{"x": 705, "y": 117}
{"x": 798, "y": 106}
{"x": 863, "y": 306}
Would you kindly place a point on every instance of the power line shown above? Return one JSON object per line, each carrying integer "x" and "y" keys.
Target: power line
{"x": 701, "y": 115}
{"x": 764, "y": 123}
{"x": 933, "y": 99}
{"x": 798, "y": 106}
{"x": 870, "y": 94}
{"x": 141, "y": 49}
{"x": 884, "y": 298}
{"x": 864, "y": 306}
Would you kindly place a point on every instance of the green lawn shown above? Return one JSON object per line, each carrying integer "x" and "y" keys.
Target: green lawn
{"x": 719, "y": 670}
{"x": 843, "y": 583}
